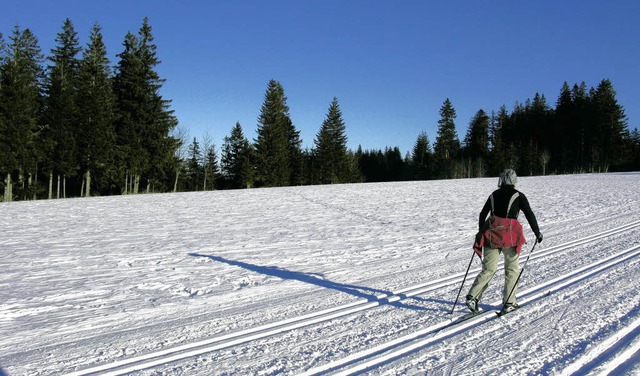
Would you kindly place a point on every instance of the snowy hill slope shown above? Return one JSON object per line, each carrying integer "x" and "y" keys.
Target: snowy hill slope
{"x": 317, "y": 280}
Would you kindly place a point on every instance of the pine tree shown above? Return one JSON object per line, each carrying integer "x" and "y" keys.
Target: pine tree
{"x": 194, "y": 168}
{"x": 160, "y": 118}
{"x": 565, "y": 150}
{"x": 371, "y": 165}
{"x": 96, "y": 135}
{"x": 422, "y": 158}
{"x": 236, "y": 160}
{"x": 21, "y": 75}
{"x": 477, "y": 139}
{"x": 496, "y": 141}
{"x": 331, "y": 159}
{"x": 635, "y": 150}
{"x": 180, "y": 134}
{"x": 353, "y": 171}
{"x": 278, "y": 152}
{"x": 394, "y": 164}
{"x": 476, "y": 144}
{"x": 4, "y": 141}
{"x": 144, "y": 120}
{"x": 321, "y": 155}
{"x": 539, "y": 122}
{"x": 210, "y": 166}
{"x": 129, "y": 90}
{"x": 583, "y": 115}
{"x": 611, "y": 126}
{"x": 296, "y": 159}
{"x": 61, "y": 109}
{"x": 447, "y": 145}
{"x": 5, "y": 169}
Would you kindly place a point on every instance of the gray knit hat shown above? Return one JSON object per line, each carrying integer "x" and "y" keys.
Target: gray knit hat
{"x": 507, "y": 177}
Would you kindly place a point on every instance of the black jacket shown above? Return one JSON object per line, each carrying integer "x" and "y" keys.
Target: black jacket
{"x": 501, "y": 198}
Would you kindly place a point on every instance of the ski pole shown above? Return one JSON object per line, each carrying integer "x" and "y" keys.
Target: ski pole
{"x": 464, "y": 279}
{"x": 521, "y": 270}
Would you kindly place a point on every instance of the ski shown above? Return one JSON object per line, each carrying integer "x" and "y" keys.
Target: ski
{"x": 468, "y": 316}
{"x": 486, "y": 314}
{"x": 502, "y": 312}
{"x": 463, "y": 318}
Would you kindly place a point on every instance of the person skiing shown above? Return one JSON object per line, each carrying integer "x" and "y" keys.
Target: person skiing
{"x": 502, "y": 233}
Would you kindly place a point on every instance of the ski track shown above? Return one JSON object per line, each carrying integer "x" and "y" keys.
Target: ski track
{"x": 413, "y": 342}
{"x": 613, "y": 356}
{"x": 445, "y": 335}
{"x": 151, "y": 360}
{"x": 383, "y": 331}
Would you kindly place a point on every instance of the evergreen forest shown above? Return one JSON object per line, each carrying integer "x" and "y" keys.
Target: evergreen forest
{"x": 74, "y": 125}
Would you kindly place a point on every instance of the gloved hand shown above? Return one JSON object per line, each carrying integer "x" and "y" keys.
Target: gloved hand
{"x": 539, "y": 237}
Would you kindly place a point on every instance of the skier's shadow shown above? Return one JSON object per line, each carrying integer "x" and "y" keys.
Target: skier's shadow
{"x": 363, "y": 292}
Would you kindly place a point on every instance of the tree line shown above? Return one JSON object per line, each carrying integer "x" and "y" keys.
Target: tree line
{"x": 79, "y": 127}
{"x": 587, "y": 131}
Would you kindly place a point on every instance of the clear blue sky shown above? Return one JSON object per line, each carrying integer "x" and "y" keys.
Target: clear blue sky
{"x": 391, "y": 64}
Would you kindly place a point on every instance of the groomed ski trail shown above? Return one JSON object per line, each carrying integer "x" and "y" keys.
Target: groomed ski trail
{"x": 387, "y": 352}
{"x": 170, "y": 355}
{"x": 614, "y": 356}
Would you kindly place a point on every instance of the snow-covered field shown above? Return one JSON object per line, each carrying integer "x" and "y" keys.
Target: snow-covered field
{"x": 318, "y": 280}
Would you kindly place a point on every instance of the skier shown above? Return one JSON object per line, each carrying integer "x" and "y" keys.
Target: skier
{"x": 502, "y": 233}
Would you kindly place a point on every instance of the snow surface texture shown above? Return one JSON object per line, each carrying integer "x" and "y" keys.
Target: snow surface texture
{"x": 340, "y": 279}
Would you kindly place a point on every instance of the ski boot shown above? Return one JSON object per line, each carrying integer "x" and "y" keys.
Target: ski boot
{"x": 472, "y": 304}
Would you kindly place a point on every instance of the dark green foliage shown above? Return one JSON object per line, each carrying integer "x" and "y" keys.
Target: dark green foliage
{"x": 476, "y": 142}
{"x": 210, "y": 167}
{"x": 422, "y": 162}
{"x": 64, "y": 125}
{"x": 143, "y": 118}
{"x": 476, "y": 145}
{"x": 634, "y": 151}
{"x": 110, "y": 132}
{"x": 237, "y": 171}
{"x": 611, "y": 126}
{"x": 4, "y": 141}
{"x": 96, "y": 134}
{"x": 61, "y": 112}
{"x": 379, "y": 166}
{"x": 331, "y": 161}
{"x": 130, "y": 98}
{"x": 279, "y": 159}
{"x": 447, "y": 145}
{"x": 201, "y": 167}
{"x": 502, "y": 154}
{"x": 395, "y": 164}
{"x": 161, "y": 119}
{"x": 21, "y": 76}
{"x": 587, "y": 132}
{"x": 195, "y": 172}
{"x": 535, "y": 135}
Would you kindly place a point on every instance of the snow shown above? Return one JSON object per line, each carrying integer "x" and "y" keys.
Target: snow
{"x": 339, "y": 279}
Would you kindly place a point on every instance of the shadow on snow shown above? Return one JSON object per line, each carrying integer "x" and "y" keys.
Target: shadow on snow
{"x": 363, "y": 292}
